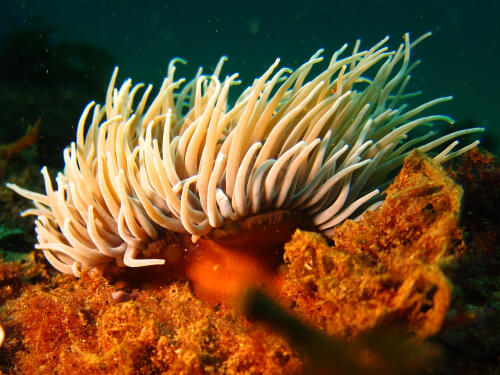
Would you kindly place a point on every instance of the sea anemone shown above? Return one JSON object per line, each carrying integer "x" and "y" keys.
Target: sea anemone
{"x": 190, "y": 162}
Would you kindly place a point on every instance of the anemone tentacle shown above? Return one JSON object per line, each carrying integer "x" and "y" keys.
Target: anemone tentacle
{"x": 191, "y": 162}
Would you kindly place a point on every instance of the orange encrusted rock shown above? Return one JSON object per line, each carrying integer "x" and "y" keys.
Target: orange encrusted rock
{"x": 383, "y": 269}
{"x": 74, "y": 326}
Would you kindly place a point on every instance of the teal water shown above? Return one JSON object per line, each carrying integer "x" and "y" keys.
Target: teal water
{"x": 460, "y": 59}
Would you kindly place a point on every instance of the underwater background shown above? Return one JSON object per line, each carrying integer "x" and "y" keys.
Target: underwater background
{"x": 56, "y": 56}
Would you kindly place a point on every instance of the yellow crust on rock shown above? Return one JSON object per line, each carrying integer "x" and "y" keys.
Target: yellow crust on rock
{"x": 385, "y": 267}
